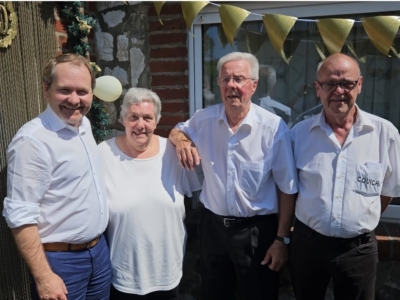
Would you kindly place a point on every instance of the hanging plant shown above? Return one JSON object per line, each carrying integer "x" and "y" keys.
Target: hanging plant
{"x": 78, "y": 30}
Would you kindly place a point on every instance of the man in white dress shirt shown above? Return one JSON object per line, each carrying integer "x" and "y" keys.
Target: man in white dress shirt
{"x": 56, "y": 203}
{"x": 349, "y": 169}
{"x": 246, "y": 157}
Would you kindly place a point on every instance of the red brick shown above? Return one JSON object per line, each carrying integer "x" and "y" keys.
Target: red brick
{"x": 60, "y": 27}
{"x": 168, "y": 38}
{"x": 169, "y": 120}
{"x": 169, "y": 52}
{"x": 177, "y": 23}
{"x": 169, "y": 80}
{"x": 168, "y": 66}
{"x": 167, "y": 9}
{"x": 168, "y": 94}
{"x": 175, "y": 107}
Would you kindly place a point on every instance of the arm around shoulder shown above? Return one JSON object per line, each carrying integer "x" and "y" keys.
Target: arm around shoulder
{"x": 185, "y": 149}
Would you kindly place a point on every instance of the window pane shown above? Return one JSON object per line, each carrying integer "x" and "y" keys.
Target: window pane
{"x": 291, "y": 95}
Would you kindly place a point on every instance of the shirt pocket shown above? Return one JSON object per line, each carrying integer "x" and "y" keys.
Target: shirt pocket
{"x": 251, "y": 176}
{"x": 368, "y": 181}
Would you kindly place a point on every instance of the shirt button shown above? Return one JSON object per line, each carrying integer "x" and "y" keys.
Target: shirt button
{"x": 339, "y": 177}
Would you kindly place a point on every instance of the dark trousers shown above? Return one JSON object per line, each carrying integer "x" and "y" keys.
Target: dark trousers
{"x": 230, "y": 258}
{"x": 315, "y": 259}
{"x": 159, "y": 295}
{"x": 86, "y": 274}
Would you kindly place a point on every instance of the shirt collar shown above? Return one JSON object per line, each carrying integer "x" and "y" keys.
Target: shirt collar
{"x": 57, "y": 124}
{"x": 248, "y": 119}
{"x": 362, "y": 120}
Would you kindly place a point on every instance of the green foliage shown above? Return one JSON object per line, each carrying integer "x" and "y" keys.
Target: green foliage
{"x": 78, "y": 30}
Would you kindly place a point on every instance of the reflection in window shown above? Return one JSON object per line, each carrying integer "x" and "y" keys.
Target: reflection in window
{"x": 287, "y": 89}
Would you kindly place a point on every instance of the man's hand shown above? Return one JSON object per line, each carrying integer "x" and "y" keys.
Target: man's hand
{"x": 185, "y": 149}
{"x": 276, "y": 256}
{"x": 51, "y": 287}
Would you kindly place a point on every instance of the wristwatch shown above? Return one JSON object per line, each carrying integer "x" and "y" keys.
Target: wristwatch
{"x": 283, "y": 239}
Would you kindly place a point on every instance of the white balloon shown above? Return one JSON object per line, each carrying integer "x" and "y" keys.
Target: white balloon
{"x": 108, "y": 88}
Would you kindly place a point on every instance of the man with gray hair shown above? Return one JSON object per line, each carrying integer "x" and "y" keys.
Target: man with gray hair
{"x": 245, "y": 153}
{"x": 349, "y": 169}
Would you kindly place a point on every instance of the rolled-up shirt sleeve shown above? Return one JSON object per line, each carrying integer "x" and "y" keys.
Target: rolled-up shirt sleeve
{"x": 28, "y": 178}
{"x": 283, "y": 166}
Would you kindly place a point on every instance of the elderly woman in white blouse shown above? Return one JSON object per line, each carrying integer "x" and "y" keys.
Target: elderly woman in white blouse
{"x": 145, "y": 188}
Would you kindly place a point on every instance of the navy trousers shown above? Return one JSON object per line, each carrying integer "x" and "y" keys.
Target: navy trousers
{"x": 86, "y": 273}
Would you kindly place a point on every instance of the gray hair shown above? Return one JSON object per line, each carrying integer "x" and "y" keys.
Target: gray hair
{"x": 330, "y": 57}
{"x": 269, "y": 73}
{"x": 137, "y": 95}
{"x": 234, "y": 56}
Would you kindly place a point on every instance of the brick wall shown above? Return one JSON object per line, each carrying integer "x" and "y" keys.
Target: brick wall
{"x": 169, "y": 65}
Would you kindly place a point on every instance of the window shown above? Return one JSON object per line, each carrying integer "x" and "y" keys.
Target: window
{"x": 287, "y": 89}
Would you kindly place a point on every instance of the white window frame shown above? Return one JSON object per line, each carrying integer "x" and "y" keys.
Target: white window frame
{"x": 210, "y": 15}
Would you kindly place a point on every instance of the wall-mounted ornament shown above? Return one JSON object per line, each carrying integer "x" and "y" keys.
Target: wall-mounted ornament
{"x": 8, "y": 24}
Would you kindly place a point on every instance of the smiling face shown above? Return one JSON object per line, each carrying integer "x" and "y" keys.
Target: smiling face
{"x": 70, "y": 94}
{"x": 236, "y": 98}
{"x": 140, "y": 123}
{"x": 338, "y": 102}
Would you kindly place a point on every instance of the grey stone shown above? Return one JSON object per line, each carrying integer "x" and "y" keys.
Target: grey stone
{"x": 119, "y": 73}
{"x": 106, "y": 5}
{"x": 113, "y": 18}
{"x": 104, "y": 44}
{"x": 122, "y": 46}
{"x": 137, "y": 64}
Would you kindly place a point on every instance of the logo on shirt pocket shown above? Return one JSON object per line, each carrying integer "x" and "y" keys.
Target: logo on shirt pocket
{"x": 368, "y": 181}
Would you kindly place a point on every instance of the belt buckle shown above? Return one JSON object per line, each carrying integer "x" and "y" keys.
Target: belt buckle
{"x": 227, "y": 220}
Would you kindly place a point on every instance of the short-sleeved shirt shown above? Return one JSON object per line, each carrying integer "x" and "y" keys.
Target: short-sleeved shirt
{"x": 55, "y": 180}
{"x": 242, "y": 169}
{"x": 340, "y": 186}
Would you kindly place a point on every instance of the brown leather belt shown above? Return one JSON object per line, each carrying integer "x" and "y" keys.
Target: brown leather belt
{"x": 65, "y": 247}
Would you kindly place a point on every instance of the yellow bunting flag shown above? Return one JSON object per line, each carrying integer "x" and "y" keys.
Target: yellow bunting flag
{"x": 382, "y": 31}
{"x": 158, "y": 5}
{"x": 278, "y": 27}
{"x": 334, "y": 32}
{"x": 231, "y": 18}
{"x": 190, "y": 10}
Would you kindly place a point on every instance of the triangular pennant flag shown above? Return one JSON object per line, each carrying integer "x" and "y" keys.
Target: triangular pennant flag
{"x": 278, "y": 27}
{"x": 334, "y": 32}
{"x": 190, "y": 10}
{"x": 382, "y": 31}
{"x": 231, "y": 18}
{"x": 158, "y": 5}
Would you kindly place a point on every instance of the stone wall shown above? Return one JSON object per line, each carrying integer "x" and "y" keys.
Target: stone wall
{"x": 132, "y": 45}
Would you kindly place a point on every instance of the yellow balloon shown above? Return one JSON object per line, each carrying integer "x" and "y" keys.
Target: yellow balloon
{"x": 108, "y": 88}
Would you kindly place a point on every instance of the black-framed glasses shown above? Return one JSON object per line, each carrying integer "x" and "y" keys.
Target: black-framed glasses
{"x": 344, "y": 85}
{"x": 238, "y": 80}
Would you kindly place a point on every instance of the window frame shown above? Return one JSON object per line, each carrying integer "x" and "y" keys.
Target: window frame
{"x": 210, "y": 15}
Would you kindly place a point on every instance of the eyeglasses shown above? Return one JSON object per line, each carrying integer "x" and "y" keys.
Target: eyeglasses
{"x": 346, "y": 86}
{"x": 238, "y": 80}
